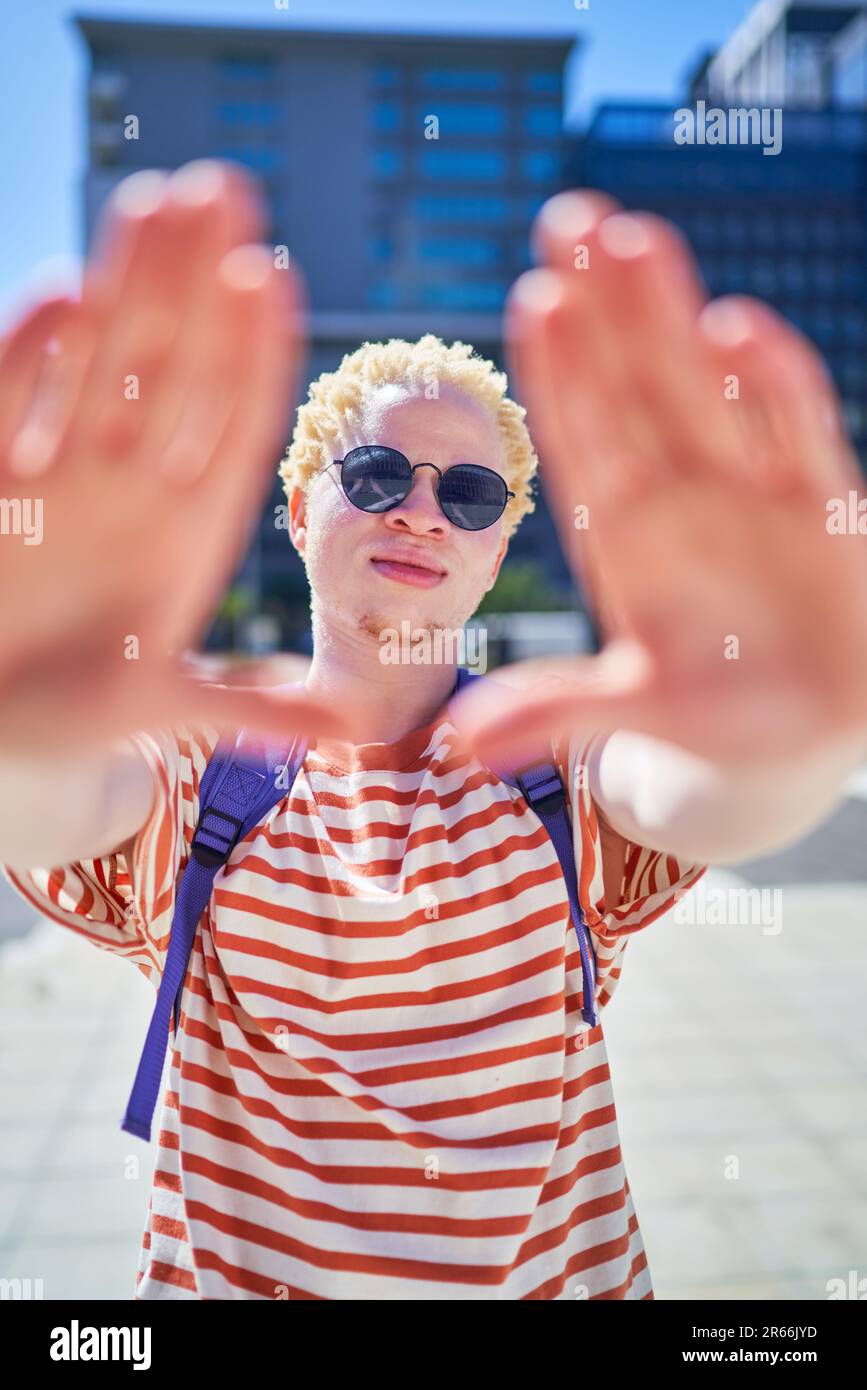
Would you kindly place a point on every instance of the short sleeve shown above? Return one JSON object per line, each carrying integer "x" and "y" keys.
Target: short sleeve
{"x": 652, "y": 882}
{"x": 97, "y": 898}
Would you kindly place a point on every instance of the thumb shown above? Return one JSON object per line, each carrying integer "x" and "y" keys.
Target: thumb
{"x": 280, "y": 711}
{"x": 512, "y": 718}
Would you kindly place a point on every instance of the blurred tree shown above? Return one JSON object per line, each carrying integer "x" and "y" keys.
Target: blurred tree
{"x": 524, "y": 588}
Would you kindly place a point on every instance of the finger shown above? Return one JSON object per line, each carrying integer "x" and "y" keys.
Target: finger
{"x": 638, "y": 326}
{"x": 782, "y": 399}
{"x": 581, "y": 357}
{"x": 600, "y": 412}
{"x": 170, "y": 235}
{"x": 51, "y": 409}
{"x": 566, "y": 226}
{"x": 278, "y": 668}
{"x": 225, "y": 192}
{"x": 511, "y": 724}
{"x": 242, "y": 464}
{"x": 278, "y": 711}
{"x": 240, "y": 323}
{"x": 666, "y": 388}
{"x": 135, "y": 288}
{"x": 202, "y": 349}
{"x": 22, "y": 359}
{"x": 580, "y": 452}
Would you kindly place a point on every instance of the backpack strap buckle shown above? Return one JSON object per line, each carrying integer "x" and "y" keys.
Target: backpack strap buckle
{"x": 542, "y": 787}
{"x": 211, "y": 854}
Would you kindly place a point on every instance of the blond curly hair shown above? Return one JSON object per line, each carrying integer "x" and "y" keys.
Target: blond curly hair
{"x": 337, "y": 400}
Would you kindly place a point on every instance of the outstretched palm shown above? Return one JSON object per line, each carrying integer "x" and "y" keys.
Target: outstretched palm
{"x": 144, "y": 416}
{"x": 690, "y": 452}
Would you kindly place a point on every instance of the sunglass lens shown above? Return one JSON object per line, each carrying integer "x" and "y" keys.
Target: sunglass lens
{"x": 376, "y": 479}
{"x": 472, "y": 497}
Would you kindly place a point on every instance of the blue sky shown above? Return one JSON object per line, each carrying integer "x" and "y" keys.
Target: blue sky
{"x": 632, "y": 48}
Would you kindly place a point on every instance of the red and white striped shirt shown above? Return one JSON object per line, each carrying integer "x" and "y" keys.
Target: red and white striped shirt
{"x": 377, "y": 1090}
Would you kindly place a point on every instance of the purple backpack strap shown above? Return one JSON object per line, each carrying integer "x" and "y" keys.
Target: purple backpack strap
{"x": 542, "y": 787}
{"x": 238, "y": 788}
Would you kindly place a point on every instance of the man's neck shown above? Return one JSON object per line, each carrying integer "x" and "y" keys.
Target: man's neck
{"x": 387, "y": 701}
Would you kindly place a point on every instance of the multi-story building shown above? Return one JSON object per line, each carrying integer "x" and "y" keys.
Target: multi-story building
{"x": 402, "y": 172}
{"x": 848, "y": 60}
{"x": 789, "y": 227}
{"x": 799, "y": 53}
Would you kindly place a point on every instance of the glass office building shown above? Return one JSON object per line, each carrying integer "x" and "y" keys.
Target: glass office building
{"x": 790, "y": 228}
{"x": 793, "y": 53}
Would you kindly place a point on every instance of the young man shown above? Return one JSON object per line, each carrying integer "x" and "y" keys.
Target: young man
{"x": 380, "y": 1087}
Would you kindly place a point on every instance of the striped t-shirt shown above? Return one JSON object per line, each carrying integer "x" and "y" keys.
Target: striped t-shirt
{"x": 377, "y": 1089}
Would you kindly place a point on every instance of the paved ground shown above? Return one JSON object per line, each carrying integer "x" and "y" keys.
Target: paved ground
{"x": 739, "y": 1057}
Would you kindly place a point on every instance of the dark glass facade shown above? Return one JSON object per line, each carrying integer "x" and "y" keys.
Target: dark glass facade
{"x": 789, "y": 228}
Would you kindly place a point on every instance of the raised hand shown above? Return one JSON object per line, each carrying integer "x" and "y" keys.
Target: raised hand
{"x": 140, "y": 422}
{"x": 690, "y": 452}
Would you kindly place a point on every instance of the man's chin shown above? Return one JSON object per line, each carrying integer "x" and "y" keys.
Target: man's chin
{"x": 408, "y": 626}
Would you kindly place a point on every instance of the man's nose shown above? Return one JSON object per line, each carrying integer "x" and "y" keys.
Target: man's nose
{"x": 419, "y": 510}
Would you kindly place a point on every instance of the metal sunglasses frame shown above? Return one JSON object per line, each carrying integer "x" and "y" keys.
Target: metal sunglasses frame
{"x": 440, "y": 472}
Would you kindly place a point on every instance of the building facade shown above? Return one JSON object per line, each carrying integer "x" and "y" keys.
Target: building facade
{"x": 789, "y": 228}
{"x": 798, "y": 53}
{"x": 402, "y": 172}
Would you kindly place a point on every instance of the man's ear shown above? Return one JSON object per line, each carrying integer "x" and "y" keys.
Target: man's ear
{"x": 298, "y": 519}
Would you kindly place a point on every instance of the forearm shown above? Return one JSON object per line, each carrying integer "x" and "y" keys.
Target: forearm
{"x": 658, "y": 795}
{"x": 53, "y": 812}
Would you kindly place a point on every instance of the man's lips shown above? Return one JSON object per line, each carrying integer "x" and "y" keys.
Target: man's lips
{"x": 408, "y": 570}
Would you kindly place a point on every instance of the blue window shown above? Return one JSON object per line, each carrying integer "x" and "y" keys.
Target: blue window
{"x": 823, "y": 325}
{"x": 548, "y": 81}
{"x": 386, "y": 77}
{"x": 248, "y": 68}
{"x": 466, "y": 118}
{"x": 794, "y": 277}
{"x": 524, "y": 259}
{"x": 380, "y": 248}
{"x": 850, "y": 77}
{"x": 530, "y": 206}
{"x": 461, "y": 207}
{"x": 824, "y": 275}
{"x": 467, "y": 294}
{"x": 543, "y": 122}
{"x": 489, "y": 165}
{"x": 735, "y": 273}
{"x": 709, "y": 271}
{"x": 762, "y": 278}
{"x": 255, "y": 157}
{"x": 794, "y": 230}
{"x": 386, "y": 117}
{"x": 540, "y": 165}
{"x": 468, "y": 250}
{"x": 383, "y": 294}
{"x": 824, "y": 229}
{"x": 763, "y": 229}
{"x": 247, "y": 112}
{"x": 704, "y": 230}
{"x": 734, "y": 228}
{"x": 462, "y": 79}
{"x": 387, "y": 164}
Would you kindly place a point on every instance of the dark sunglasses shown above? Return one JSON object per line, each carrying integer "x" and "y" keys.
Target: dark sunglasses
{"x": 376, "y": 479}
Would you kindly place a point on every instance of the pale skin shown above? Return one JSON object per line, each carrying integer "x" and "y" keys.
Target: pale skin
{"x": 706, "y": 520}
